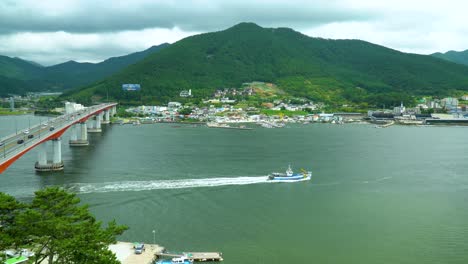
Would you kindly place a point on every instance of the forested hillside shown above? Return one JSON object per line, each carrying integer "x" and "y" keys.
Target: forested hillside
{"x": 320, "y": 69}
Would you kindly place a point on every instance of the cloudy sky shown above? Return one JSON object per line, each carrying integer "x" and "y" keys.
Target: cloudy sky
{"x": 55, "y": 31}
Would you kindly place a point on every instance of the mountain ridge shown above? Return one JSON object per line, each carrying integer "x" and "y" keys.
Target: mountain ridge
{"x": 316, "y": 68}
{"x": 460, "y": 57}
{"x": 18, "y": 76}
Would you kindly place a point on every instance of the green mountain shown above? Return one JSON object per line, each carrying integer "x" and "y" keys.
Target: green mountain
{"x": 320, "y": 69}
{"x": 72, "y": 74}
{"x": 15, "y": 74}
{"x": 460, "y": 57}
{"x": 19, "y": 76}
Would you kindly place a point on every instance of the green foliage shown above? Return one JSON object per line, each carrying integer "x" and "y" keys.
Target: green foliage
{"x": 46, "y": 113}
{"x": 332, "y": 71}
{"x": 427, "y": 111}
{"x": 282, "y": 112}
{"x": 185, "y": 111}
{"x": 9, "y": 232}
{"x": 122, "y": 113}
{"x": 49, "y": 102}
{"x": 57, "y": 228}
{"x": 9, "y": 112}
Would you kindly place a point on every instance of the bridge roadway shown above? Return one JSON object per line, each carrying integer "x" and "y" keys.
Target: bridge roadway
{"x": 14, "y": 146}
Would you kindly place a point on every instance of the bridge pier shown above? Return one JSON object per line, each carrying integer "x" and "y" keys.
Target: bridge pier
{"x": 42, "y": 154}
{"x": 80, "y": 130}
{"x": 56, "y": 164}
{"x": 106, "y": 117}
{"x": 16, "y": 145}
{"x": 96, "y": 127}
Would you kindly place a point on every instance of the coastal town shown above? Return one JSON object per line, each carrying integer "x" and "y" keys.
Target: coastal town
{"x": 273, "y": 112}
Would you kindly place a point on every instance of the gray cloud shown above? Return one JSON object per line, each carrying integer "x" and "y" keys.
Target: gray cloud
{"x": 53, "y": 31}
{"x": 198, "y": 15}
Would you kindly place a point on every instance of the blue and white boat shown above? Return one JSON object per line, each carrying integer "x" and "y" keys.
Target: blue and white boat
{"x": 290, "y": 176}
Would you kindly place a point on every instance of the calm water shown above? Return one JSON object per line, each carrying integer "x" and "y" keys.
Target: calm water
{"x": 395, "y": 195}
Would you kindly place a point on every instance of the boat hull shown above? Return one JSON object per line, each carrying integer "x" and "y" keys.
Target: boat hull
{"x": 293, "y": 178}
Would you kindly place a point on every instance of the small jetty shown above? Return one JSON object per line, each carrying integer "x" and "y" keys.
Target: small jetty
{"x": 226, "y": 126}
{"x": 386, "y": 125}
{"x": 125, "y": 253}
{"x": 194, "y": 256}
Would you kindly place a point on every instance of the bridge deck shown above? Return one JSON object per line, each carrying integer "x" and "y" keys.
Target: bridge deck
{"x": 12, "y": 147}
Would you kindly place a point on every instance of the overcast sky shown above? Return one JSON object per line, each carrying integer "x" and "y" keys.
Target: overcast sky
{"x": 55, "y": 31}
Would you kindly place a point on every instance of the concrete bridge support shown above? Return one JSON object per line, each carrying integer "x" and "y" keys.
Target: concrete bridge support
{"x": 113, "y": 111}
{"x": 106, "y": 117}
{"x": 56, "y": 164}
{"x": 96, "y": 128}
{"x": 79, "y": 136}
{"x": 42, "y": 154}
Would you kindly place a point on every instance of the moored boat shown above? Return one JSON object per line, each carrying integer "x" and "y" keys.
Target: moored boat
{"x": 290, "y": 176}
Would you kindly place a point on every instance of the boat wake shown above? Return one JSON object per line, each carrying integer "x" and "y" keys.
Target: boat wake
{"x": 162, "y": 184}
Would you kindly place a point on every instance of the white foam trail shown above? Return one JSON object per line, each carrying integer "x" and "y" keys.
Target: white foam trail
{"x": 163, "y": 184}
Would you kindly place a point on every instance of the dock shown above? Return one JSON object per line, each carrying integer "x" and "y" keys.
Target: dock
{"x": 195, "y": 256}
{"x": 391, "y": 123}
{"x": 125, "y": 253}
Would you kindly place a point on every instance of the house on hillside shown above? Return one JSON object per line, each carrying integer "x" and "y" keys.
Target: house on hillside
{"x": 186, "y": 93}
{"x": 174, "y": 105}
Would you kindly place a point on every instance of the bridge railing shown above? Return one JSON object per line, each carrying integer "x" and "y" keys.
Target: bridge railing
{"x": 58, "y": 123}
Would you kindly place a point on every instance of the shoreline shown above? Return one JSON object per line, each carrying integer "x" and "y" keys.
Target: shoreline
{"x": 125, "y": 253}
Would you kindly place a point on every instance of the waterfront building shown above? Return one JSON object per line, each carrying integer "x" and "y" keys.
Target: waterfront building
{"x": 449, "y": 102}
{"x": 73, "y": 107}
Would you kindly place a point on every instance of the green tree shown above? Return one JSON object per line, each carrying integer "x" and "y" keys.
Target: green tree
{"x": 185, "y": 111}
{"x": 62, "y": 231}
{"x": 10, "y": 235}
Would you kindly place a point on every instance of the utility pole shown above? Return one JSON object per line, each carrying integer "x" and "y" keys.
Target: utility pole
{"x": 12, "y": 104}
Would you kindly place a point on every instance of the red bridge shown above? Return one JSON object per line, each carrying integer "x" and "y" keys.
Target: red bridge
{"x": 83, "y": 121}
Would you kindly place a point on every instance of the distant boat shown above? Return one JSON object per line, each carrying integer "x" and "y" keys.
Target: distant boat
{"x": 290, "y": 176}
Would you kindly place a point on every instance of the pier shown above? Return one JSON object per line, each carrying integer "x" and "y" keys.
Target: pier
{"x": 195, "y": 256}
{"x": 125, "y": 253}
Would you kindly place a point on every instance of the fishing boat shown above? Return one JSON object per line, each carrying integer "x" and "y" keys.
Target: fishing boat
{"x": 290, "y": 175}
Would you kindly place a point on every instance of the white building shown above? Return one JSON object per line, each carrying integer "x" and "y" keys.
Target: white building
{"x": 73, "y": 107}
{"x": 449, "y": 102}
{"x": 186, "y": 93}
{"x": 174, "y": 105}
{"x": 399, "y": 109}
{"x": 227, "y": 100}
